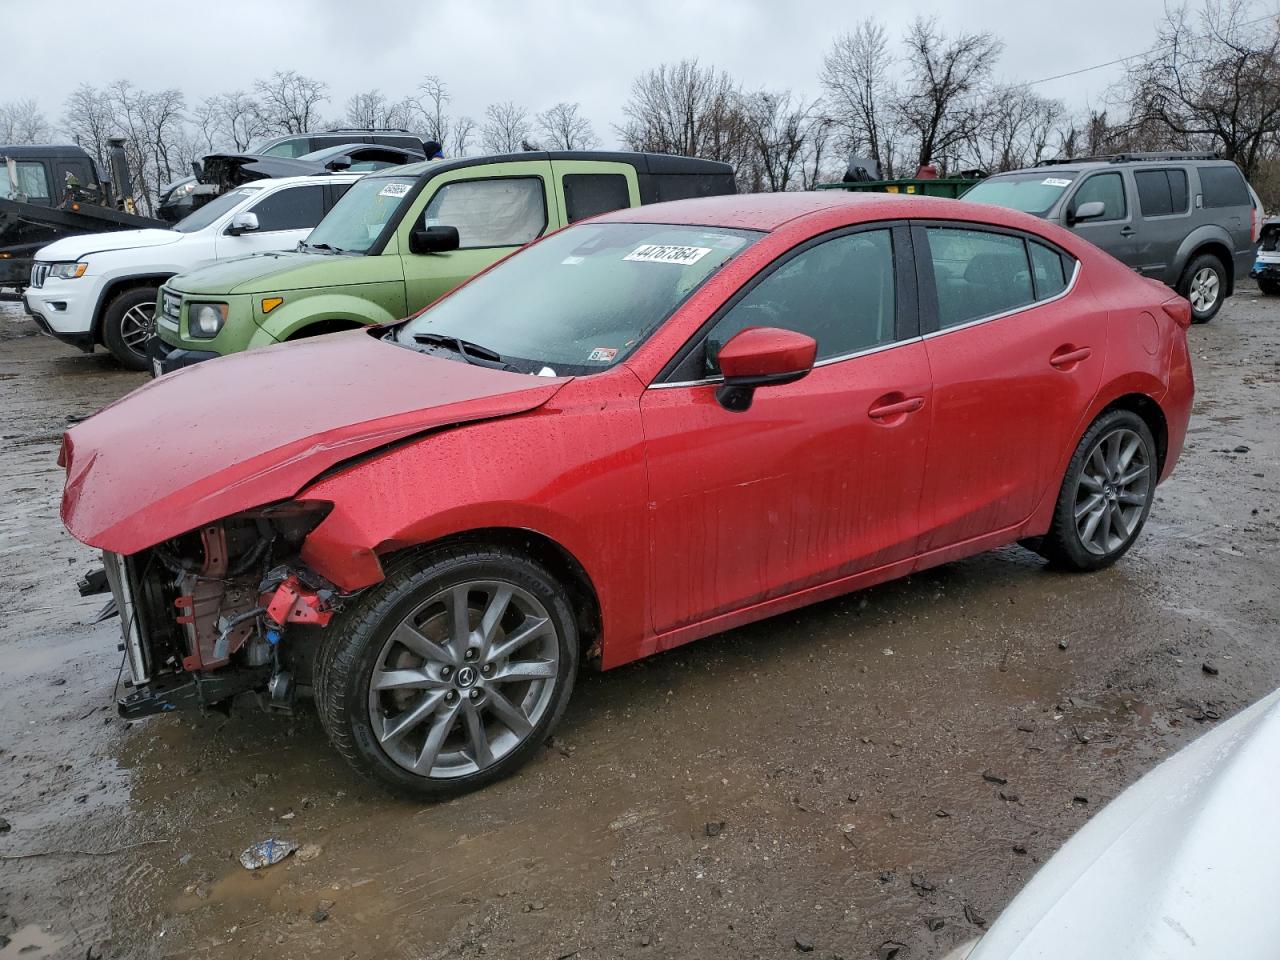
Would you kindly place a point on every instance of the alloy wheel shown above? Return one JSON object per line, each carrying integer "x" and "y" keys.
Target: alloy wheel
{"x": 464, "y": 679}
{"x": 1111, "y": 495}
{"x": 137, "y": 326}
{"x": 1204, "y": 289}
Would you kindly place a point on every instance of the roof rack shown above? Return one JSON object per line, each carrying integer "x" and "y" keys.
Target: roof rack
{"x": 1131, "y": 158}
{"x": 366, "y": 130}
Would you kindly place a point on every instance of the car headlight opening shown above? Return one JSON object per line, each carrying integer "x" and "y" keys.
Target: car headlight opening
{"x": 69, "y": 270}
{"x": 205, "y": 320}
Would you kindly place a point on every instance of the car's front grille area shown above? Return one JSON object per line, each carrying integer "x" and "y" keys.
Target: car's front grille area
{"x": 170, "y": 307}
{"x": 39, "y": 273}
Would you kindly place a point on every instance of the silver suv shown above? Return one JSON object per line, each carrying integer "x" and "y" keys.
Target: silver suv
{"x": 1187, "y": 219}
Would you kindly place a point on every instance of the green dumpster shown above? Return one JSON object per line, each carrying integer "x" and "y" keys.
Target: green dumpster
{"x": 937, "y": 187}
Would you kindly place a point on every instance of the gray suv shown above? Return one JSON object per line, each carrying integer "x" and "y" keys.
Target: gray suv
{"x": 1187, "y": 219}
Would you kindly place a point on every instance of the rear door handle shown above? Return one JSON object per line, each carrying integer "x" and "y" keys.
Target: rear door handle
{"x": 884, "y": 411}
{"x": 1127, "y": 231}
{"x": 1070, "y": 356}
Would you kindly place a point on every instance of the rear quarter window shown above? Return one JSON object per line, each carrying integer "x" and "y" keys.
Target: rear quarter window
{"x": 1223, "y": 186}
{"x": 1161, "y": 192}
{"x": 589, "y": 194}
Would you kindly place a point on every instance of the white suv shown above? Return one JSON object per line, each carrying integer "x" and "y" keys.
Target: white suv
{"x": 101, "y": 288}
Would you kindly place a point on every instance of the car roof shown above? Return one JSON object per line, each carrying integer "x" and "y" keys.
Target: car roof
{"x": 60, "y": 151}
{"x": 1105, "y": 164}
{"x": 652, "y": 163}
{"x": 769, "y": 211}
{"x": 283, "y": 181}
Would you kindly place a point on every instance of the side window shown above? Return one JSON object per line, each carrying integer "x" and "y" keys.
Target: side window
{"x": 1051, "y": 269}
{"x": 1107, "y": 187}
{"x": 589, "y": 194}
{"x": 294, "y": 208}
{"x": 33, "y": 181}
{"x": 490, "y": 213}
{"x": 1223, "y": 186}
{"x": 293, "y": 147}
{"x": 978, "y": 274}
{"x": 1161, "y": 192}
{"x": 840, "y": 292}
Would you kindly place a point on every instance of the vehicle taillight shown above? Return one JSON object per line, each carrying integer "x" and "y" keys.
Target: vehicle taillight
{"x": 1255, "y": 225}
{"x": 1180, "y": 310}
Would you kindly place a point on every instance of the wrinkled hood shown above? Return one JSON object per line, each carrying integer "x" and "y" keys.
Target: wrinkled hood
{"x": 270, "y": 273}
{"x": 1184, "y": 865}
{"x": 227, "y": 170}
{"x": 73, "y": 248}
{"x": 226, "y": 435}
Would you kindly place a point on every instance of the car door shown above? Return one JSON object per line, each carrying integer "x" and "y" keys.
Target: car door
{"x": 819, "y": 479}
{"x": 1165, "y": 208}
{"x": 1116, "y": 231}
{"x": 285, "y": 216}
{"x": 496, "y": 209}
{"x": 1016, "y": 347}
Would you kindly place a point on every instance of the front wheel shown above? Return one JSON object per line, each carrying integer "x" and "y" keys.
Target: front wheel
{"x": 451, "y": 673}
{"x": 1105, "y": 496}
{"x": 128, "y": 325}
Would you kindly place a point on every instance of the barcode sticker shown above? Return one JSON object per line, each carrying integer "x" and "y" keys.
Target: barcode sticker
{"x": 665, "y": 253}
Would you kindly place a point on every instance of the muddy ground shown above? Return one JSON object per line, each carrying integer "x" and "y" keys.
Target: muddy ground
{"x": 842, "y": 748}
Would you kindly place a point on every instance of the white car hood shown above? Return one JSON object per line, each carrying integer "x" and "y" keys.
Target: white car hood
{"x": 1184, "y": 865}
{"x": 73, "y": 248}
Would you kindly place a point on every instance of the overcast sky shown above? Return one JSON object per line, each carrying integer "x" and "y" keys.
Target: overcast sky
{"x": 534, "y": 52}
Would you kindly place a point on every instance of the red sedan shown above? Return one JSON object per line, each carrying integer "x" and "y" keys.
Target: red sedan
{"x": 638, "y": 431}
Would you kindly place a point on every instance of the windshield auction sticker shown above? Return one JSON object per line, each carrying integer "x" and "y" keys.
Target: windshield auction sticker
{"x": 394, "y": 190}
{"x": 1055, "y": 182}
{"x": 663, "y": 253}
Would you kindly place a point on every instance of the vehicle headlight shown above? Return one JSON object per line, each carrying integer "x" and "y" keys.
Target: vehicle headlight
{"x": 204, "y": 320}
{"x": 69, "y": 270}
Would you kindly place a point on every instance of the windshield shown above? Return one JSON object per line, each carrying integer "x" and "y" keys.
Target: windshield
{"x": 1032, "y": 192}
{"x": 211, "y": 211}
{"x": 356, "y": 220}
{"x": 579, "y": 301}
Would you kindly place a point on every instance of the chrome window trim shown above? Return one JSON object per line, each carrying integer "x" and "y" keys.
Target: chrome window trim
{"x": 879, "y": 348}
{"x": 1071, "y": 285}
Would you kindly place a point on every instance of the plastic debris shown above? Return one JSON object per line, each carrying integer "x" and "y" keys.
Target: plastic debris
{"x": 265, "y": 853}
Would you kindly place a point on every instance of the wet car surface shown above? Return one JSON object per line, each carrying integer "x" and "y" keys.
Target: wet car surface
{"x": 813, "y": 779}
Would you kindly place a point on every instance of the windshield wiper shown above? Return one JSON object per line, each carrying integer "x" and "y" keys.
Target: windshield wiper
{"x": 470, "y": 352}
{"x": 319, "y": 246}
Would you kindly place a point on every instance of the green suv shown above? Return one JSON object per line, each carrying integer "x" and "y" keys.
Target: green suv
{"x": 402, "y": 237}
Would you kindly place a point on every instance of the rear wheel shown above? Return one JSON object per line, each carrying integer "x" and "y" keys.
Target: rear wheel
{"x": 1204, "y": 283}
{"x": 128, "y": 325}
{"x": 1105, "y": 496}
{"x": 451, "y": 673}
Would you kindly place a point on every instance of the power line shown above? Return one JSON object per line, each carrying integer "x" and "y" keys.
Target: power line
{"x": 1132, "y": 56}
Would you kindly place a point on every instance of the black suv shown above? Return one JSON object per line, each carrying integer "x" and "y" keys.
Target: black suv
{"x": 179, "y": 198}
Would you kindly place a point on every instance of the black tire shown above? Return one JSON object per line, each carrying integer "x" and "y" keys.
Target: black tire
{"x": 119, "y": 327}
{"x": 1206, "y": 261}
{"x": 1269, "y": 288}
{"x": 357, "y": 642}
{"x": 1064, "y": 546}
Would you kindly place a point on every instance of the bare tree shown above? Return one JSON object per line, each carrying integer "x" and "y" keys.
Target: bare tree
{"x": 1212, "y": 81}
{"x": 290, "y": 102}
{"x": 856, "y": 76}
{"x": 506, "y": 126}
{"x": 686, "y": 110}
{"x": 459, "y": 142}
{"x": 564, "y": 128}
{"x": 21, "y": 121}
{"x": 941, "y": 102}
{"x": 229, "y": 121}
{"x": 372, "y": 110}
{"x": 778, "y": 131}
{"x": 431, "y": 105}
{"x": 89, "y": 118}
{"x": 1015, "y": 130}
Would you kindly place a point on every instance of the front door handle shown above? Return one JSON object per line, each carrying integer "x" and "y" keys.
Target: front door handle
{"x": 1127, "y": 231}
{"x": 1065, "y": 358}
{"x": 893, "y": 405}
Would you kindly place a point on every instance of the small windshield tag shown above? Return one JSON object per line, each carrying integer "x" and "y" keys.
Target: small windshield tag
{"x": 394, "y": 190}
{"x": 1055, "y": 182}
{"x": 602, "y": 355}
{"x": 665, "y": 253}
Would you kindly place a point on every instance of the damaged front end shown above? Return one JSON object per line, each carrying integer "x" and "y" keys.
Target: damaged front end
{"x": 204, "y": 615}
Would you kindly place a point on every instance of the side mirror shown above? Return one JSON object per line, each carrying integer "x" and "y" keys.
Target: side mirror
{"x": 762, "y": 357}
{"x": 433, "y": 240}
{"x": 338, "y": 164}
{"x": 1090, "y": 210}
{"x": 243, "y": 223}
